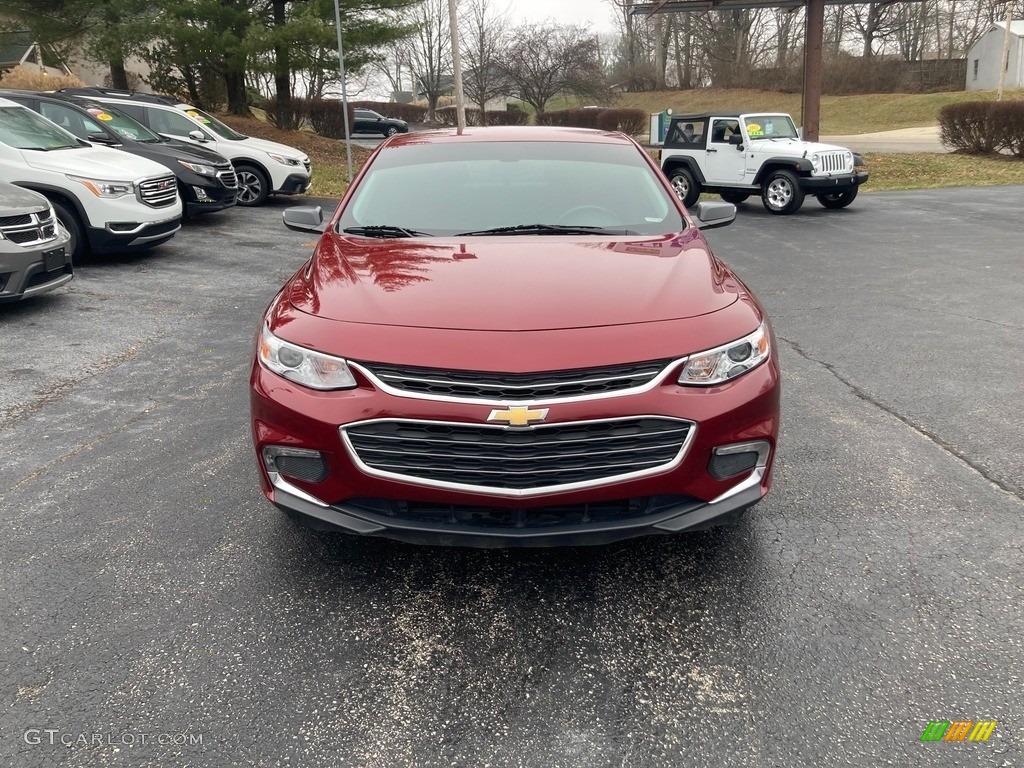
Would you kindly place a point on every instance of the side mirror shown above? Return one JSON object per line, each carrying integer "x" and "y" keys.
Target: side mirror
{"x": 709, "y": 214}
{"x": 736, "y": 140}
{"x": 198, "y": 136}
{"x": 304, "y": 218}
{"x": 103, "y": 138}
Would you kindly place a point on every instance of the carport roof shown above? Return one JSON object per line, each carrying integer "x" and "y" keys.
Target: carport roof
{"x": 13, "y": 47}
{"x": 697, "y": 6}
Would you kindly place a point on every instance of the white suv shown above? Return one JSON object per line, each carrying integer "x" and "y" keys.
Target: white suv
{"x": 263, "y": 167}
{"x": 739, "y": 155}
{"x": 106, "y": 200}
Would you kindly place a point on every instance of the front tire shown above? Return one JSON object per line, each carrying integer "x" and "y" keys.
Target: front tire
{"x": 253, "y": 186}
{"x": 390, "y": 131}
{"x": 685, "y": 185}
{"x": 834, "y": 200}
{"x": 735, "y": 197}
{"x": 781, "y": 193}
{"x": 78, "y": 245}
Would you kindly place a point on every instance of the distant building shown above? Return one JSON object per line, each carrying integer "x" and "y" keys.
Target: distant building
{"x": 986, "y": 57}
{"x": 19, "y": 49}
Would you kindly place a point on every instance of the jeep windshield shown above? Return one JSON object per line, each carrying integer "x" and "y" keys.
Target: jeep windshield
{"x": 770, "y": 127}
{"x": 22, "y": 128}
{"x": 583, "y": 189}
{"x": 215, "y": 125}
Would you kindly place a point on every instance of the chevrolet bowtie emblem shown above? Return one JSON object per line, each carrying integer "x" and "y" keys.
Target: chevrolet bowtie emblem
{"x": 519, "y": 415}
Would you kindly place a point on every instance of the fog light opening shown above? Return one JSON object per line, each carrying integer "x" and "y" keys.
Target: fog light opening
{"x": 296, "y": 463}
{"x": 730, "y": 460}
{"x": 201, "y": 195}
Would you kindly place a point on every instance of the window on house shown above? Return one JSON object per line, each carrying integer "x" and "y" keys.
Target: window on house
{"x": 975, "y": 70}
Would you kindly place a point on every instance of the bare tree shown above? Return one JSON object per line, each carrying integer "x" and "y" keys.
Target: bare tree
{"x": 484, "y": 36}
{"x": 545, "y": 60}
{"x": 430, "y": 52}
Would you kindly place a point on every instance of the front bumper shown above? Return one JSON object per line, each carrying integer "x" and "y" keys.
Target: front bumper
{"x": 294, "y": 184}
{"x": 132, "y": 235}
{"x": 29, "y": 272}
{"x": 822, "y": 184}
{"x": 681, "y": 497}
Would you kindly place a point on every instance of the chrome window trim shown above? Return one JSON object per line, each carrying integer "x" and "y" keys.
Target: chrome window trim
{"x": 517, "y": 493}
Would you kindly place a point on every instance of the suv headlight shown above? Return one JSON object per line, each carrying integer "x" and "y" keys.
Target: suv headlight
{"x": 104, "y": 188}
{"x": 202, "y": 170}
{"x": 284, "y": 160}
{"x": 728, "y": 361}
{"x": 303, "y": 366}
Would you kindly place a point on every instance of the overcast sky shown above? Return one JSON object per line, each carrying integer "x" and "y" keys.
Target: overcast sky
{"x": 594, "y": 14}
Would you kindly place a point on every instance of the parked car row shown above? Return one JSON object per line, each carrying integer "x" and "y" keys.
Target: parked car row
{"x": 114, "y": 171}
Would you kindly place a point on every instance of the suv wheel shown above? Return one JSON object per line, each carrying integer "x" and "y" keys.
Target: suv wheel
{"x": 253, "y": 186}
{"x": 390, "y": 131}
{"x": 78, "y": 246}
{"x": 838, "y": 199}
{"x": 781, "y": 193}
{"x": 735, "y": 197}
{"x": 687, "y": 187}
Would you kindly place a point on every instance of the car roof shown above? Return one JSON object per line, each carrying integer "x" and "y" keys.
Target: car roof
{"x": 510, "y": 133}
{"x": 706, "y": 115}
{"x": 8, "y": 103}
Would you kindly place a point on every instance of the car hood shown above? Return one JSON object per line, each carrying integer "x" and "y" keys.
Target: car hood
{"x": 15, "y": 200}
{"x": 192, "y": 153}
{"x": 511, "y": 283}
{"x": 272, "y": 146}
{"x": 94, "y": 163}
{"x": 794, "y": 147}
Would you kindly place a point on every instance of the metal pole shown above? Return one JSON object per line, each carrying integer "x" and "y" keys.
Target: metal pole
{"x": 460, "y": 100}
{"x": 1004, "y": 61}
{"x": 344, "y": 89}
{"x": 811, "y": 102}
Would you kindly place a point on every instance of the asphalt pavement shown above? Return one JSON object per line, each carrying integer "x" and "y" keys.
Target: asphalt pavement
{"x": 157, "y": 611}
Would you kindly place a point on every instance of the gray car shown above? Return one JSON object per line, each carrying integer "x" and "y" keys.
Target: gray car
{"x": 34, "y": 257}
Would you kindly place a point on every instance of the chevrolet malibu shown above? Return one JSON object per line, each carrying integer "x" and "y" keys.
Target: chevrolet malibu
{"x": 514, "y": 337}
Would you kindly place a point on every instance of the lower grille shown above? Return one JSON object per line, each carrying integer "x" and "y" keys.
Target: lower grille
{"x": 159, "y": 193}
{"x": 517, "y": 461}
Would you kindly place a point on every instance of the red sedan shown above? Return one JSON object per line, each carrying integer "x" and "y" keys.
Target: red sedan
{"x": 514, "y": 337}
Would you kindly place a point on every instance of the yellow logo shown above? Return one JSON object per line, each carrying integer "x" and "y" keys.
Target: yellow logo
{"x": 519, "y": 415}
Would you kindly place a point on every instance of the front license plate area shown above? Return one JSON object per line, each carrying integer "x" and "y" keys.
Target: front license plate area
{"x": 53, "y": 260}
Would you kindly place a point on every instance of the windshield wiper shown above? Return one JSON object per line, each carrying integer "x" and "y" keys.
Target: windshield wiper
{"x": 385, "y": 230}
{"x": 554, "y": 229}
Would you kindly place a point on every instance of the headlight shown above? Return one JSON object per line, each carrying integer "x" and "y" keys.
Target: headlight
{"x": 304, "y": 366}
{"x": 284, "y": 160}
{"x": 202, "y": 170}
{"x": 102, "y": 188}
{"x": 815, "y": 159}
{"x": 721, "y": 364}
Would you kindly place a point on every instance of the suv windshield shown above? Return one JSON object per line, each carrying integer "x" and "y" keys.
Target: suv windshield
{"x": 215, "y": 125}
{"x": 124, "y": 126}
{"x": 22, "y": 128}
{"x": 458, "y": 187}
{"x": 770, "y": 127}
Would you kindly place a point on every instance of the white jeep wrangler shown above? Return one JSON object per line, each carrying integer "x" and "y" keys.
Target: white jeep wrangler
{"x": 739, "y": 155}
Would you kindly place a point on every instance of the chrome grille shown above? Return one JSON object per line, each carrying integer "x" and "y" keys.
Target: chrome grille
{"x": 517, "y": 461}
{"x": 228, "y": 178}
{"x": 832, "y": 162}
{"x": 518, "y": 387}
{"x": 159, "y": 193}
{"x": 29, "y": 228}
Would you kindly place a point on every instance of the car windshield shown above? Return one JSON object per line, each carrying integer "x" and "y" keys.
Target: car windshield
{"x": 22, "y": 128}
{"x": 124, "y": 126}
{"x": 215, "y": 125}
{"x": 456, "y": 187}
{"x": 770, "y": 127}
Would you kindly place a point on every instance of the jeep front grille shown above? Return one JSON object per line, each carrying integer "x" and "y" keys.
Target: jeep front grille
{"x": 29, "y": 228}
{"x": 832, "y": 162}
{"x": 160, "y": 192}
{"x": 440, "y": 383}
{"x": 517, "y": 461}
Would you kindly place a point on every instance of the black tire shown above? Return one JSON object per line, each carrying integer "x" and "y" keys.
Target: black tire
{"x": 836, "y": 200}
{"x": 390, "y": 131}
{"x": 685, "y": 185}
{"x": 253, "y": 186}
{"x": 781, "y": 193}
{"x": 78, "y": 245}
{"x": 735, "y": 197}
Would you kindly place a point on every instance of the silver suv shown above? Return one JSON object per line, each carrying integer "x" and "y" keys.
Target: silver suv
{"x": 34, "y": 257}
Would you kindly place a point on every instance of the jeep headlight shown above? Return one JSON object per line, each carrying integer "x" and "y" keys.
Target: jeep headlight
{"x": 815, "y": 160}
{"x": 104, "y": 188}
{"x": 718, "y": 365}
{"x": 303, "y": 366}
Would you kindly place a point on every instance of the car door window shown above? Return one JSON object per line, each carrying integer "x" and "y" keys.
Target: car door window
{"x": 721, "y": 130}
{"x": 69, "y": 120}
{"x": 174, "y": 123}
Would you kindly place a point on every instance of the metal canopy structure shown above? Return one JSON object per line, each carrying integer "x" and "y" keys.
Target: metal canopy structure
{"x": 814, "y": 33}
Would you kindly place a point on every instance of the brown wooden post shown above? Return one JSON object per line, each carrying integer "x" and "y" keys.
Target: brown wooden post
{"x": 810, "y": 111}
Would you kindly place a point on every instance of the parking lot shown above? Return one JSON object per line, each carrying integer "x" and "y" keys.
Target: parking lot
{"x": 149, "y": 588}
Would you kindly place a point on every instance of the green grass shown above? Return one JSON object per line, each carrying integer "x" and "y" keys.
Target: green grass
{"x": 931, "y": 171}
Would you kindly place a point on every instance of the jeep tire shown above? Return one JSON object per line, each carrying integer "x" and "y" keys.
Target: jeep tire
{"x": 735, "y": 197}
{"x": 781, "y": 193}
{"x": 685, "y": 185}
{"x": 838, "y": 199}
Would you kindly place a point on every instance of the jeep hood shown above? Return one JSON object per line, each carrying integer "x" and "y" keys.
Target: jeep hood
{"x": 794, "y": 147}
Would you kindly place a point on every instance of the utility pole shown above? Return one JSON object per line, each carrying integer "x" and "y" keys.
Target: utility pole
{"x": 344, "y": 89}
{"x": 460, "y": 100}
{"x": 1004, "y": 60}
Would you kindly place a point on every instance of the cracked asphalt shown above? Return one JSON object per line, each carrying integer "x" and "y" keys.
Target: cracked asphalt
{"x": 149, "y": 593}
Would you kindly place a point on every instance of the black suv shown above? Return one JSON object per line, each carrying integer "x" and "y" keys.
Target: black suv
{"x": 368, "y": 121}
{"x": 206, "y": 180}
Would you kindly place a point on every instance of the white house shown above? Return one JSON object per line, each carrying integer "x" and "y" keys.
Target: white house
{"x": 986, "y": 56}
